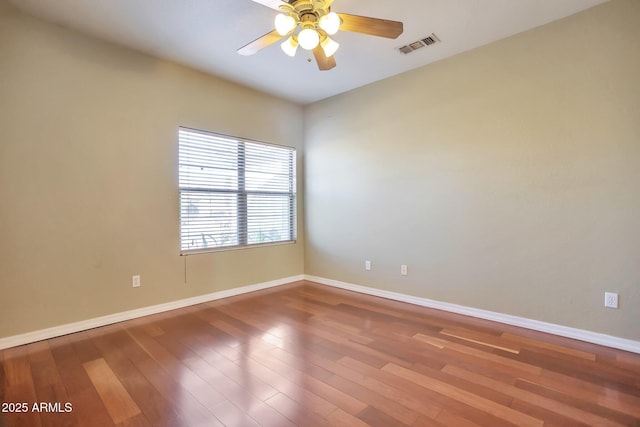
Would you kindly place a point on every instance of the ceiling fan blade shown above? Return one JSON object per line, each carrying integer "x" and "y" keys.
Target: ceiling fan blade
{"x": 273, "y": 4}
{"x": 371, "y": 26}
{"x": 324, "y": 63}
{"x": 260, "y": 43}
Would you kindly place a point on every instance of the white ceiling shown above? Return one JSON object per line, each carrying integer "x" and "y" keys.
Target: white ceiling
{"x": 204, "y": 34}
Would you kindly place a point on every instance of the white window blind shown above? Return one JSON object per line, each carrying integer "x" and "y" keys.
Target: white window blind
{"x": 234, "y": 192}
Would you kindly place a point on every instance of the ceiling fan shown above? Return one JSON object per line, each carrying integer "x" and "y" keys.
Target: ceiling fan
{"x": 316, "y": 23}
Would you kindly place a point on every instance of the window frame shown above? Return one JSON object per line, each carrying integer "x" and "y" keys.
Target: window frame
{"x": 242, "y": 211}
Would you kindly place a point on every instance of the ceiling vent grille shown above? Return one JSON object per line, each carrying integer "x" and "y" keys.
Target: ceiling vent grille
{"x": 419, "y": 44}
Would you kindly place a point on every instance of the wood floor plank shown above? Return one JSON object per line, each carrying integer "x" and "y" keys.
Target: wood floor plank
{"x": 156, "y": 410}
{"x": 191, "y": 382}
{"x": 289, "y": 386}
{"x": 479, "y": 402}
{"x": 538, "y": 400}
{"x": 516, "y": 339}
{"x": 580, "y": 405}
{"x": 331, "y": 394}
{"x": 611, "y": 377}
{"x": 501, "y": 397}
{"x": 551, "y": 418}
{"x": 241, "y": 402}
{"x": 87, "y": 405}
{"x": 83, "y": 346}
{"x": 137, "y": 421}
{"x": 628, "y": 360}
{"x": 478, "y": 339}
{"x": 206, "y": 350}
{"x": 450, "y": 418}
{"x": 381, "y": 404}
{"x": 340, "y": 418}
{"x": 590, "y": 392}
{"x": 165, "y": 382}
{"x": 477, "y": 353}
{"x": 398, "y": 395}
{"x": 295, "y": 387}
{"x": 295, "y": 412}
{"x": 230, "y": 415}
{"x": 115, "y": 397}
{"x": 426, "y": 401}
{"x": 376, "y": 418}
{"x": 56, "y": 408}
{"x": 16, "y": 366}
{"x": 19, "y": 389}
{"x": 305, "y": 354}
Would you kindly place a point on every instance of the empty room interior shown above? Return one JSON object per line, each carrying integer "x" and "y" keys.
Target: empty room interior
{"x": 436, "y": 224}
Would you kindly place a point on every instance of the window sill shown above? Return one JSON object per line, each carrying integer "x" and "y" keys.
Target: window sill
{"x": 235, "y": 248}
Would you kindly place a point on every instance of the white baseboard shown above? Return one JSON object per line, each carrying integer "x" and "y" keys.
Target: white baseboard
{"x": 83, "y": 325}
{"x": 551, "y": 328}
{"x": 564, "y": 331}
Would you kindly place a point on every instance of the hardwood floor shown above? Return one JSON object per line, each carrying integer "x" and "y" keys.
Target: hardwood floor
{"x": 310, "y": 355}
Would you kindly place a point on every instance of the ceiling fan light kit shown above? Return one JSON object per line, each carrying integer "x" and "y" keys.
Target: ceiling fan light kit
{"x": 316, "y": 22}
{"x": 308, "y": 38}
{"x": 330, "y": 23}
{"x": 285, "y": 24}
{"x": 329, "y": 46}
{"x": 290, "y": 46}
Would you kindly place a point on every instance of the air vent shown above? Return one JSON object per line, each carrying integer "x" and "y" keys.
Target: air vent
{"x": 429, "y": 40}
{"x": 419, "y": 44}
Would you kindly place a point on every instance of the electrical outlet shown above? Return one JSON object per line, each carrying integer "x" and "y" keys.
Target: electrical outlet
{"x": 135, "y": 281}
{"x": 367, "y": 265}
{"x": 403, "y": 270}
{"x": 611, "y": 300}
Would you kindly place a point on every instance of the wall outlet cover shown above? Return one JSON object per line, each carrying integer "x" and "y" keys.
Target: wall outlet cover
{"x": 611, "y": 300}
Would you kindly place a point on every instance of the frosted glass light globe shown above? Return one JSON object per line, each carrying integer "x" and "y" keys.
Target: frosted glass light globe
{"x": 284, "y": 24}
{"x": 329, "y": 46}
{"x": 290, "y": 46}
{"x": 308, "y": 38}
{"x": 330, "y": 23}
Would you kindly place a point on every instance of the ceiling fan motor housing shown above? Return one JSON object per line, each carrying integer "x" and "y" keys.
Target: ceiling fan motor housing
{"x": 306, "y": 11}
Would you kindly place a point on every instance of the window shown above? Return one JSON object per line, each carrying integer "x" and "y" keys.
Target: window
{"x": 234, "y": 192}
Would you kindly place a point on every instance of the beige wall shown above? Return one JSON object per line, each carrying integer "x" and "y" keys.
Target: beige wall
{"x": 507, "y": 178}
{"x": 88, "y": 176}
